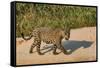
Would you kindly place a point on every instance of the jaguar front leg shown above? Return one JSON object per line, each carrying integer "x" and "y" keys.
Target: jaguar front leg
{"x": 54, "y": 49}
{"x": 63, "y": 50}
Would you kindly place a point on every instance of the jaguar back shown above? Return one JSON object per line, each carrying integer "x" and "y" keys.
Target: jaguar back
{"x": 49, "y": 36}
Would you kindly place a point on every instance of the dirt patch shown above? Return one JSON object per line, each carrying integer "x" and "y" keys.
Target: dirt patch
{"x": 81, "y": 47}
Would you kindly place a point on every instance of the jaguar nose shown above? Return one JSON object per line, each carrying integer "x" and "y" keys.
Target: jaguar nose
{"x": 66, "y": 38}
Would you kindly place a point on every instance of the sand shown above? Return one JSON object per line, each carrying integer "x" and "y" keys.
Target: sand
{"x": 80, "y": 47}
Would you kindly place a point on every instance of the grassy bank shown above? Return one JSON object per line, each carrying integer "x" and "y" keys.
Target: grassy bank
{"x": 30, "y": 16}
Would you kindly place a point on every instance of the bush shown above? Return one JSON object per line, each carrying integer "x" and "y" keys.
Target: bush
{"x": 30, "y": 16}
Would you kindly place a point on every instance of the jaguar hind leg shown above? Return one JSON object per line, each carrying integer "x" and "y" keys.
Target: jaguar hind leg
{"x": 31, "y": 49}
{"x": 38, "y": 50}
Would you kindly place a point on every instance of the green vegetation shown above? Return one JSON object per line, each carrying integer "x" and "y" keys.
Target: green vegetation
{"x": 30, "y": 16}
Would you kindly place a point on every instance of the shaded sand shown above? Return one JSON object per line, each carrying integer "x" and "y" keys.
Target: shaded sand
{"x": 80, "y": 47}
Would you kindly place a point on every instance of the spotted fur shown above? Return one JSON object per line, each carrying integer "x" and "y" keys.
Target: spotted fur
{"x": 49, "y": 36}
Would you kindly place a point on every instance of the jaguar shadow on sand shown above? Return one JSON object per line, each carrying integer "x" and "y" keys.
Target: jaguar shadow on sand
{"x": 69, "y": 45}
